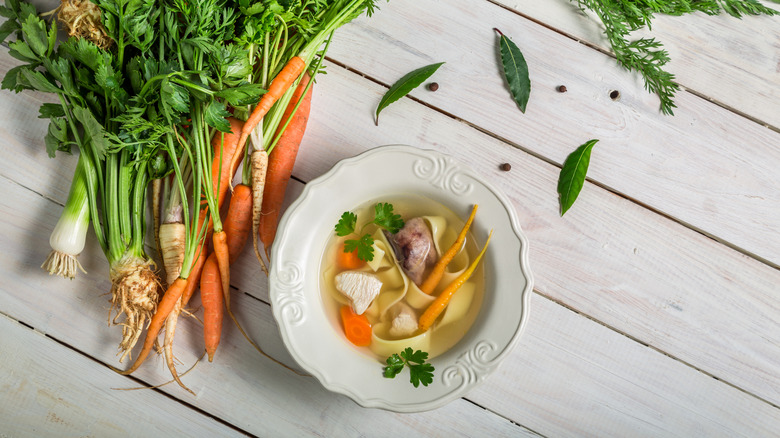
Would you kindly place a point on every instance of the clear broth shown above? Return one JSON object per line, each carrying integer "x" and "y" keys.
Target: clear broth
{"x": 408, "y": 206}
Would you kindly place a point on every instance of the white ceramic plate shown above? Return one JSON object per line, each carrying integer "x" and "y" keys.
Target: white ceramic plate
{"x": 304, "y": 231}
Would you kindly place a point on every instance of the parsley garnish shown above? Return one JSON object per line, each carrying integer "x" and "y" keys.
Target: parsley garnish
{"x": 346, "y": 225}
{"x": 384, "y": 217}
{"x": 364, "y": 244}
{"x": 364, "y": 247}
{"x": 419, "y": 370}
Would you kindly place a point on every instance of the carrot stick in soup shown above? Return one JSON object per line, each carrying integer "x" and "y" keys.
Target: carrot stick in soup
{"x": 356, "y": 327}
{"x": 430, "y": 283}
{"x": 440, "y": 303}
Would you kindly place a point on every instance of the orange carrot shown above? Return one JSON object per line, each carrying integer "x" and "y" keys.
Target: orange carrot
{"x": 279, "y": 85}
{"x": 201, "y": 254}
{"x": 437, "y": 272}
{"x": 356, "y": 327}
{"x": 296, "y": 97}
{"x": 212, "y": 298}
{"x": 280, "y": 167}
{"x": 222, "y": 254}
{"x": 238, "y": 222}
{"x": 220, "y": 171}
{"x": 224, "y": 145}
{"x": 440, "y": 303}
{"x": 222, "y": 175}
{"x": 164, "y": 308}
{"x": 236, "y": 227}
{"x": 349, "y": 260}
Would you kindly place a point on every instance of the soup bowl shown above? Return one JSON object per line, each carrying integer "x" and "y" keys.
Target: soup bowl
{"x": 311, "y": 333}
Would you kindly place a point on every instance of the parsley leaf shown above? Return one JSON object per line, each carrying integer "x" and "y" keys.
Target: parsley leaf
{"x": 364, "y": 247}
{"x": 419, "y": 370}
{"x": 394, "y": 366}
{"x": 346, "y": 225}
{"x": 384, "y": 217}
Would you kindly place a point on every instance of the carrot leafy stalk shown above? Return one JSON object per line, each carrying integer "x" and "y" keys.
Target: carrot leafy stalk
{"x": 646, "y": 56}
{"x": 420, "y": 371}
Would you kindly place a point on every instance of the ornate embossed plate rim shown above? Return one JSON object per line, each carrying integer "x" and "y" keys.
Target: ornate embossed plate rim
{"x": 297, "y": 306}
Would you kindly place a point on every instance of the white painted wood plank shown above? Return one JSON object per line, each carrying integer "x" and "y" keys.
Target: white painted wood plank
{"x": 50, "y": 390}
{"x": 240, "y": 387}
{"x": 330, "y": 141}
{"x": 619, "y": 419}
{"x": 569, "y": 376}
{"x": 608, "y": 257}
{"x": 705, "y": 166}
{"x": 731, "y": 61}
{"x": 554, "y": 382}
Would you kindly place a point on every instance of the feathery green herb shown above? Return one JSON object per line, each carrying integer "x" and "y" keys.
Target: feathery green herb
{"x": 646, "y": 55}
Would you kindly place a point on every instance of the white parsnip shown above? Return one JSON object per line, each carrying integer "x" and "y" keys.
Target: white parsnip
{"x": 259, "y": 159}
{"x": 172, "y": 249}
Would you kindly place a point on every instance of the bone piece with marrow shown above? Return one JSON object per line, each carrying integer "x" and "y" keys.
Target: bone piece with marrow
{"x": 414, "y": 248}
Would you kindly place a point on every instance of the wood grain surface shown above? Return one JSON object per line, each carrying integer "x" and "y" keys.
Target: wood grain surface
{"x": 657, "y": 299}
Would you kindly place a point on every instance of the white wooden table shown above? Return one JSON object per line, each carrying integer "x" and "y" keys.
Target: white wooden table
{"x": 656, "y": 309}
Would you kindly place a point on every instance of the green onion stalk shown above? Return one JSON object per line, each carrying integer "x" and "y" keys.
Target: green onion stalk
{"x": 69, "y": 236}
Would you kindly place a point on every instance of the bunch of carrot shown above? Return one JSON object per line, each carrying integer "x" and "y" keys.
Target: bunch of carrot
{"x": 267, "y": 143}
{"x": 210, "y": 268}
{"x": 178, "y": 104}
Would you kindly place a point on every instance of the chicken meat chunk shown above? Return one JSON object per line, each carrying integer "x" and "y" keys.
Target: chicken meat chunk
{"x": 359, "y": 287}
{"x": 405, "y": 321}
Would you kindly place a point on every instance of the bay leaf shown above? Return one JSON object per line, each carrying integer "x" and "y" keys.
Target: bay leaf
{"x": 573, "y": 173}
{"x": 515, "y": 71}
{"x": 403, "y": 86}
